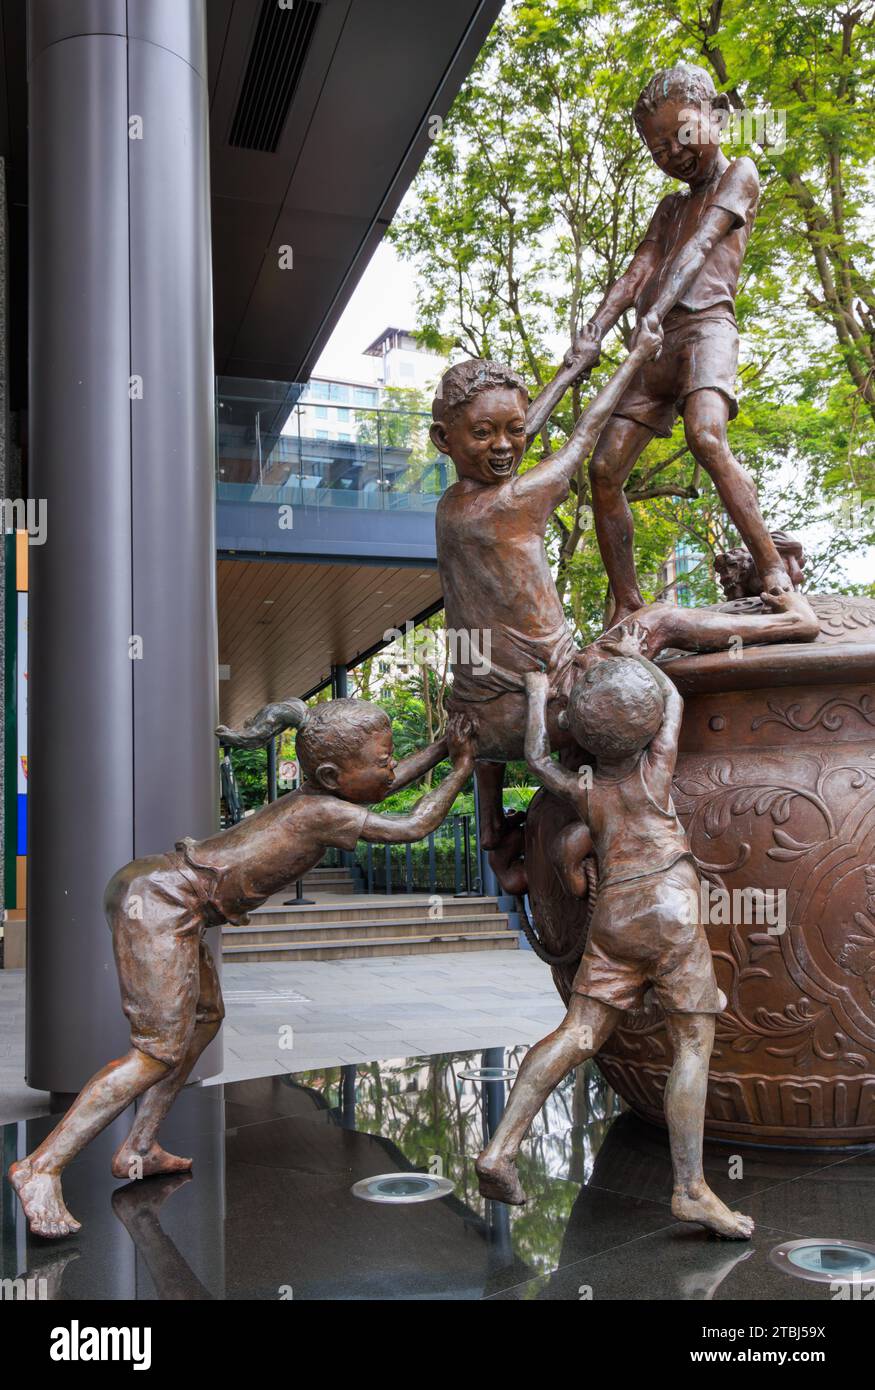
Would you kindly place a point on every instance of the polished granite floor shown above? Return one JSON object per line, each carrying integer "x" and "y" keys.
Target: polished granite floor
{"x": 269, "y": 1212}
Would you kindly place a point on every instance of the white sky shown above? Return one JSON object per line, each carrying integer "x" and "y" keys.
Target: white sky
{"x": 384, "y": 297}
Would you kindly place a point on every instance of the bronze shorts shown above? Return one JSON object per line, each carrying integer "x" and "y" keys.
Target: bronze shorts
{"x": 157, "y": 913}
{"x": 698, "y": 354}
{"x": 645, "y": 934}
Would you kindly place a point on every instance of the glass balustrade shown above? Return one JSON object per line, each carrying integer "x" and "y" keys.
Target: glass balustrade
{"x": 325, "y": 445}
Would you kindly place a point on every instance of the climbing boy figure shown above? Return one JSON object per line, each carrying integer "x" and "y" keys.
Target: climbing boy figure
{"x": 645, "y": 932}
{"x": 682, "y": 282}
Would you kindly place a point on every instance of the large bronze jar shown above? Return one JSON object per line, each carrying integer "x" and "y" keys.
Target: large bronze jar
{"x": 776, "y": 786}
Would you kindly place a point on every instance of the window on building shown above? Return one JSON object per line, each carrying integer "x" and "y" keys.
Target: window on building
{"x": 365, "y": 396}
{"x": 321, "y": 412}
{"x": 337, "y": 391}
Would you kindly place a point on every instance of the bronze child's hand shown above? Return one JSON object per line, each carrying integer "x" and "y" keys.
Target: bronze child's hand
{"x": 585, "y": 351}
{"x": 535, "y": 681}
{"x": 629, "y": 639}
{"x": 461, "y": 735}
{"x": 648, "y": 336}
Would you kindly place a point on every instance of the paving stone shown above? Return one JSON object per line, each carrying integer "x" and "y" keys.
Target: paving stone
{"x": 353, "y": 1011}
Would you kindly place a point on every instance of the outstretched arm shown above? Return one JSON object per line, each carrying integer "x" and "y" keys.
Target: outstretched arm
{"x": 585, "y": 351}
{"x": 788, "y": 618}
{"x": 662, "y": 754}
{"x": 426, "y": 815}
{"x": 708, "y": 630}
{"x": 418, "y": 764}
{"x": 555, "y": 778}
{"x": 552, "y": 477}
{"x": 664, "y": 747}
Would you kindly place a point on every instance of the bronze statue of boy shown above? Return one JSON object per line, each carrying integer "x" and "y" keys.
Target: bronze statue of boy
{"x": 682, "y": 282}
{"x": 645, "y": 932}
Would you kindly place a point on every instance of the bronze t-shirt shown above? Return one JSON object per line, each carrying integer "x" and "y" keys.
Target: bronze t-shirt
{"x": 241, "y": 867}
{"x": 676, "y": 219}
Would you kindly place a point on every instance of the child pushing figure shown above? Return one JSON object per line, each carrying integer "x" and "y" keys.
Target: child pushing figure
{"x": 159, "y": 907}
{"x": 645, "y": 932}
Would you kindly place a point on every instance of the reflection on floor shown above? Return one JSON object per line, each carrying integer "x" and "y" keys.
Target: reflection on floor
{"x": 269, "y": 1213}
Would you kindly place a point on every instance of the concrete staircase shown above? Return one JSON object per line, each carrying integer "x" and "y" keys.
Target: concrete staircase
{"x": 328, "y": 880}
{"x": 354, "y": 925}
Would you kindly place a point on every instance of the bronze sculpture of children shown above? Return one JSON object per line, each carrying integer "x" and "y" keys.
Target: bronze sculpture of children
{"x": 497, "y": 582}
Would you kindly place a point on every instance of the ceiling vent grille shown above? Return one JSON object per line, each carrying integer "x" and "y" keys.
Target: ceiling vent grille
{"x": 279, "y": 51}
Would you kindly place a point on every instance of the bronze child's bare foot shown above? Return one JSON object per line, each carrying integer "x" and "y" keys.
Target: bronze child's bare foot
{"x": 777, "y": 581}
{"x": 43, "y": 1201}
{"x": 129, "y": 1162}
{"x": 700, "y": 1204}
{"x": 499, "y": 1181}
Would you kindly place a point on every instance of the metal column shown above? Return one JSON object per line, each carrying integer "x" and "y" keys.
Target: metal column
{"x": 123, "y": 673}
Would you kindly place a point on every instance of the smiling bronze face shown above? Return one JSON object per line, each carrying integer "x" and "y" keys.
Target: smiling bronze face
{"x": 681, "y": 138}
{"x": 485, "y": 437}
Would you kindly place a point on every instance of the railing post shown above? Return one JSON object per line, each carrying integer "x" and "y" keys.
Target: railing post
{"x": 382, "y": 488}
{"x": 457, "y": 855}
{"x": 300, "y": 459}
{"x": 408, "y": 865}
{"x": 271, "y": 770}
{"x": 388, "y": 868}
{"x": 370, "y": 864}
{"x": 432, "y": 865}
{"x": 479, "y": 856}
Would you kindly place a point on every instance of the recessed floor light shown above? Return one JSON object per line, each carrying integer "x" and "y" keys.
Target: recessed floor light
{"x": 825, "y": 1261}
{"x": 397, "y": 1188}
{"x": 487, "y": 1074}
